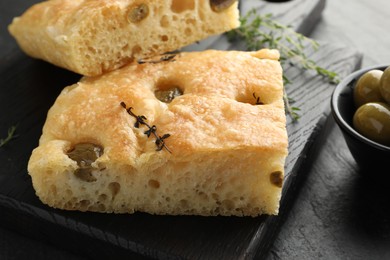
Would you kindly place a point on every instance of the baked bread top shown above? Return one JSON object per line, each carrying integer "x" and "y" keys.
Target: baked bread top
{"x": 225, "y": 155}
{"x": 91, "y": 37}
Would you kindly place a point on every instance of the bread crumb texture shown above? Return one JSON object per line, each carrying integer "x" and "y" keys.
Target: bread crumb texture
{"x": 227, "y": 148}
{"x": 91, "y": 37}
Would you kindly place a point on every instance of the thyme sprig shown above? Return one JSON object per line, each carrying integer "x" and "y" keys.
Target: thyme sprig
{"x": 10, "y": 135}
{"x": 165, "y": 57}
{"x": 152, "y": 130}
{"x": 262, "y": 31}
{"x": 291, "y": 110}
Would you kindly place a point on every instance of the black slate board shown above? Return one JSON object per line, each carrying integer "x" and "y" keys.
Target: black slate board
{"x": 29, "y": 87}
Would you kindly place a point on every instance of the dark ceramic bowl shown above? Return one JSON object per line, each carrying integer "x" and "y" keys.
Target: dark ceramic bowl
{"x": 369, "y": 155}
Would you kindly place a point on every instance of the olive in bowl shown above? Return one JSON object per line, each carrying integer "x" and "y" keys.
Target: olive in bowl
{"x": 384, "y": 85}
{"x": 367, "y": 88}
{"x": 370, "y": 155}
{"x": 373, "y": 121}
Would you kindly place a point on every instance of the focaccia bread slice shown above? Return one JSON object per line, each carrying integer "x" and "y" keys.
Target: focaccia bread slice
{"x": 193, "y": 133}
{"x": 91, "y": 37}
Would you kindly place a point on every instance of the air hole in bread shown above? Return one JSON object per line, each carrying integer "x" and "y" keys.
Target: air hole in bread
{"x": 53, "y": 190}
{"x": 179, "y": 6}
{"x": 114, "y": 188}
{"x": 70, "y": 204}
{"x": 154, "y": 184}
{"x": 164, "y": 22}
{"x": 102, "y": 197}
{"x": 191, "y": 21}
{"x": 84, "y": 204}
{"x": 164, "y": 38}
{"x": 221, "y": 5}
{"x": 91, "y": 50}
{"x": 155, "y": 47}
{"x": 166, "y": 91}
{"x": 203, "y": 196}
{"x": 136, "y": 49}
{"x": 184, "y": 203}
{"x": 85, "y": 154}
{"x": 188, "y": 31}
{"x": 101, "y": 208}
{"x": 228, "y": 204}
{"x": 69, "y": 194}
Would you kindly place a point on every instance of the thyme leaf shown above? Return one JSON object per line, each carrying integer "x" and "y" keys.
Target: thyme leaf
{"x": 262, "y": 31}
{"x": 152, "y": 130}
{"x": 258, "y": 102}
{"x": 10, "y": 135}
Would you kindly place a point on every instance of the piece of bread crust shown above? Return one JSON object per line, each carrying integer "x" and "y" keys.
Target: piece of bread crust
{"x": 91, "y": 37}
{"x": 227, "y": 144}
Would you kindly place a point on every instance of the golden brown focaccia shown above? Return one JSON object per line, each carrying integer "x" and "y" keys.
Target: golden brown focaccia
{"x": 91, "y": 37}
{"x": 195, "y": 133}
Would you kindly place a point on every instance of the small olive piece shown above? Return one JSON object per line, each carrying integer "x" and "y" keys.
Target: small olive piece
{"x": 367, "y": 88}
{"x": 220, "y": 5}
{"x": 85, "y": 174}
{"x": 373, "y": 121}
{"x": 384, "y": 85}
{"x": 85, "y": 154}
{"x": 168, "y": 95}
{"x": 276, "y": 178}
{"x": 137, "y": 13}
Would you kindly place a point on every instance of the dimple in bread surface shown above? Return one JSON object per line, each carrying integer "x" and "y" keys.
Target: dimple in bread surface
{"x": 91, "y": 37}
{"x": 226, "y": 150}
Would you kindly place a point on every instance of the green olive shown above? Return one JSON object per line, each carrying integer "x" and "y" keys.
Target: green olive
{"x": 367, "y": 88}
{"x": 221, "y": 5}
{"x": 85, "y": 154}
{"x": 168, "y": 95}
{"x": 137, "y": 13}
{"x": 373, "y": 121}
{"x": 384, "y": 85}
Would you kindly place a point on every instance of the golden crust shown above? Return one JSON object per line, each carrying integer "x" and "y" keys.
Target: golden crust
{"x": 219, "y": 137}
{"x": 92, "y": 37}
